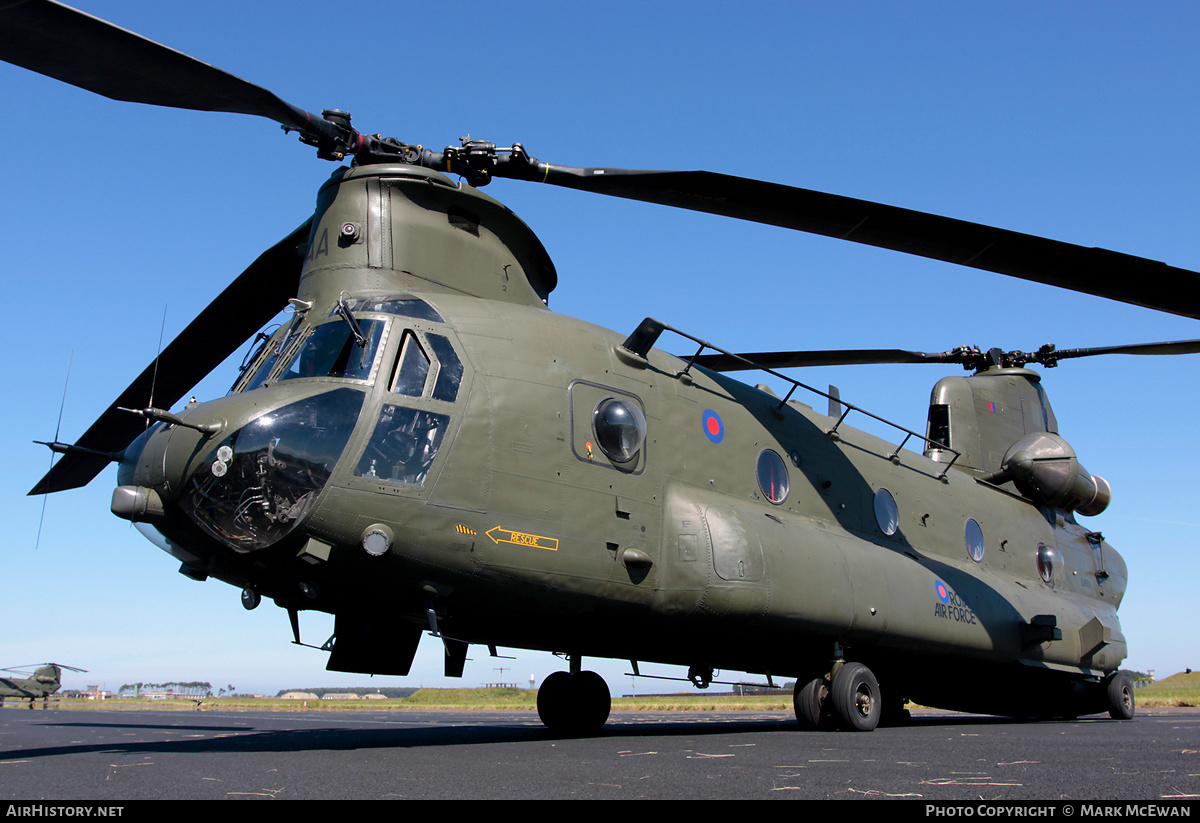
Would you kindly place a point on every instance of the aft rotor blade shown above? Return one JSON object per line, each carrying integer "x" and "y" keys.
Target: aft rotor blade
{"x": 1104, "y": 273}
{"x": 246, "y": 305}
{"x": 965, "y": 356}
{"x": 801, "y": 359}
{"x": 1174, "y": 347}
{"x": 85, "y": 51}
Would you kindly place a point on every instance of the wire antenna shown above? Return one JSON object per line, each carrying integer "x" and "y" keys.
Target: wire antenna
{"x": 57, "y": 430}
{"x": 157, "y": 356}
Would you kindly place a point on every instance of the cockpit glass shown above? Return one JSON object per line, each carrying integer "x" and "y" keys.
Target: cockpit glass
{"x": 413, "y": 368}
{"x": 404, "y": 305}
{"x": 261, "y": 480}
{"x": 261, "y": 341}
{"x": 280, "y": 344}
{"x": 403, "y": 445}
{"x": 331, "y": 350}
{"x": 451, "y": 372}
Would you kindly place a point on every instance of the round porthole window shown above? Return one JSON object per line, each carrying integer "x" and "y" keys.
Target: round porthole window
{"x": 620, "y": 429}
{"x": 1048, "y": 561}
{"x": 974, "y": 538}
{"x": 772, "y": 476}
{"x": 886, "y": 514}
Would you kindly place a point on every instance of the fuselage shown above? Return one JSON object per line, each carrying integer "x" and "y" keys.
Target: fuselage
{"x": 425, "y": 441}
{"x": 42, "y": 683}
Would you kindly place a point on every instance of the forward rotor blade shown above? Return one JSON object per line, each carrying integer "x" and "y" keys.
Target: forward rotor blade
{"x": 69, "y": 45}
{"x": 85, "y": 51}
{"x": 246, "y": 305}
{"x": 1104, "y": 273}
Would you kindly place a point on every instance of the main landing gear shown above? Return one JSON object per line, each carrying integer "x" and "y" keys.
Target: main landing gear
{"x": 849, "y": 699}
{"x": 1118, "y": 694}
{"x": 575, "y": 703}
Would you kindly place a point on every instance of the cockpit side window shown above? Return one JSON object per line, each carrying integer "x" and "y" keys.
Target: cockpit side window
{"x": 413, "y": 368}
{"x": 403, "y": 445}
{"x": 282, "y": 342}
{"x": 450, "y": 371}
{"x": 261, "y": 341}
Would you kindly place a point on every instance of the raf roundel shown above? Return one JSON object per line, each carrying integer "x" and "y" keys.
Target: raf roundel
{"x": 942, "y": 592}
{"x": 714, "y": 429}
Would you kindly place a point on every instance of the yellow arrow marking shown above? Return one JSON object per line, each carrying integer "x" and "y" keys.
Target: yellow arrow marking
{"x": 500, "y": 535}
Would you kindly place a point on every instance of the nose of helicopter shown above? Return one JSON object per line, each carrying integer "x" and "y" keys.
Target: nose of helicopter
{"x": 243, "y": 470}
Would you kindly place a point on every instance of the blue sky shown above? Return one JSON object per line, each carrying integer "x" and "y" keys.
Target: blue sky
{"x": 1076, "y": 121}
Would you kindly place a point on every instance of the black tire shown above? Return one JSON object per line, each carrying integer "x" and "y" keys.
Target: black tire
{"x": 593, "y": 702}
{"x": 553, "y": 698}
{"x": 574, "y": 704}
{"x": 1119, "y": 695}
{"x": 810, "y": 701}
{"x": 855, "y": 698}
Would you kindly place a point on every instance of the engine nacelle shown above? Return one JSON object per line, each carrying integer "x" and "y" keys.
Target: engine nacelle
{"x": 1044, "y": 468}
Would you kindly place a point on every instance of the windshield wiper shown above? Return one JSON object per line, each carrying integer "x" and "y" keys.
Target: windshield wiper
{"x": 343, "y": 309}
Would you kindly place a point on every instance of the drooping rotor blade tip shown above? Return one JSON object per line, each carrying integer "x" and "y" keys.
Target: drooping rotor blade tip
{"x": 72, "y": 46}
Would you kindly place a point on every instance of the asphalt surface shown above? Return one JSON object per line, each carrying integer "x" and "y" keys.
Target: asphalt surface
{"x": 112, "y": 756}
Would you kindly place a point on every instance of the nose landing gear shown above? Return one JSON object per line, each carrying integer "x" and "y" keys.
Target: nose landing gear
{"x": 575, "y": 703}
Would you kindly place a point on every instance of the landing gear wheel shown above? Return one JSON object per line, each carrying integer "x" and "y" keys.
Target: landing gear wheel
{"x": 574, "y": 704}
{"x": 854, "y": 695}
{"x": 593, "y": 701}
{"x": 811, "y": 702}
{"x": 1119, "y": 696}
{"x": 552, "y": 699}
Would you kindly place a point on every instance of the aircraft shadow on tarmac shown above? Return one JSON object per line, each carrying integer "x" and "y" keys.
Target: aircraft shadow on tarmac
{"x": 458, "y": 731}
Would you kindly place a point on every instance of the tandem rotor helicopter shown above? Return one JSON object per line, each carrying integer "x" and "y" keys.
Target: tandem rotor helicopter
{"x": 423, "y": 447}
{"x": 33, "y": 682}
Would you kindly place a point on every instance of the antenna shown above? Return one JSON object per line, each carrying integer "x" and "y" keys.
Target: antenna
{"x": 157, "y": 356}
{"x": 57, "y": 430}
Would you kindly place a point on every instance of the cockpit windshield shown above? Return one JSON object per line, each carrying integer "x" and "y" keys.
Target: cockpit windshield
{"x": 332, "y": 350}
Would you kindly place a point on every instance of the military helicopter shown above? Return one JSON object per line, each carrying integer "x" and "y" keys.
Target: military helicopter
{"x": 374, "y": 462}
{"x": 33, "y": 684}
